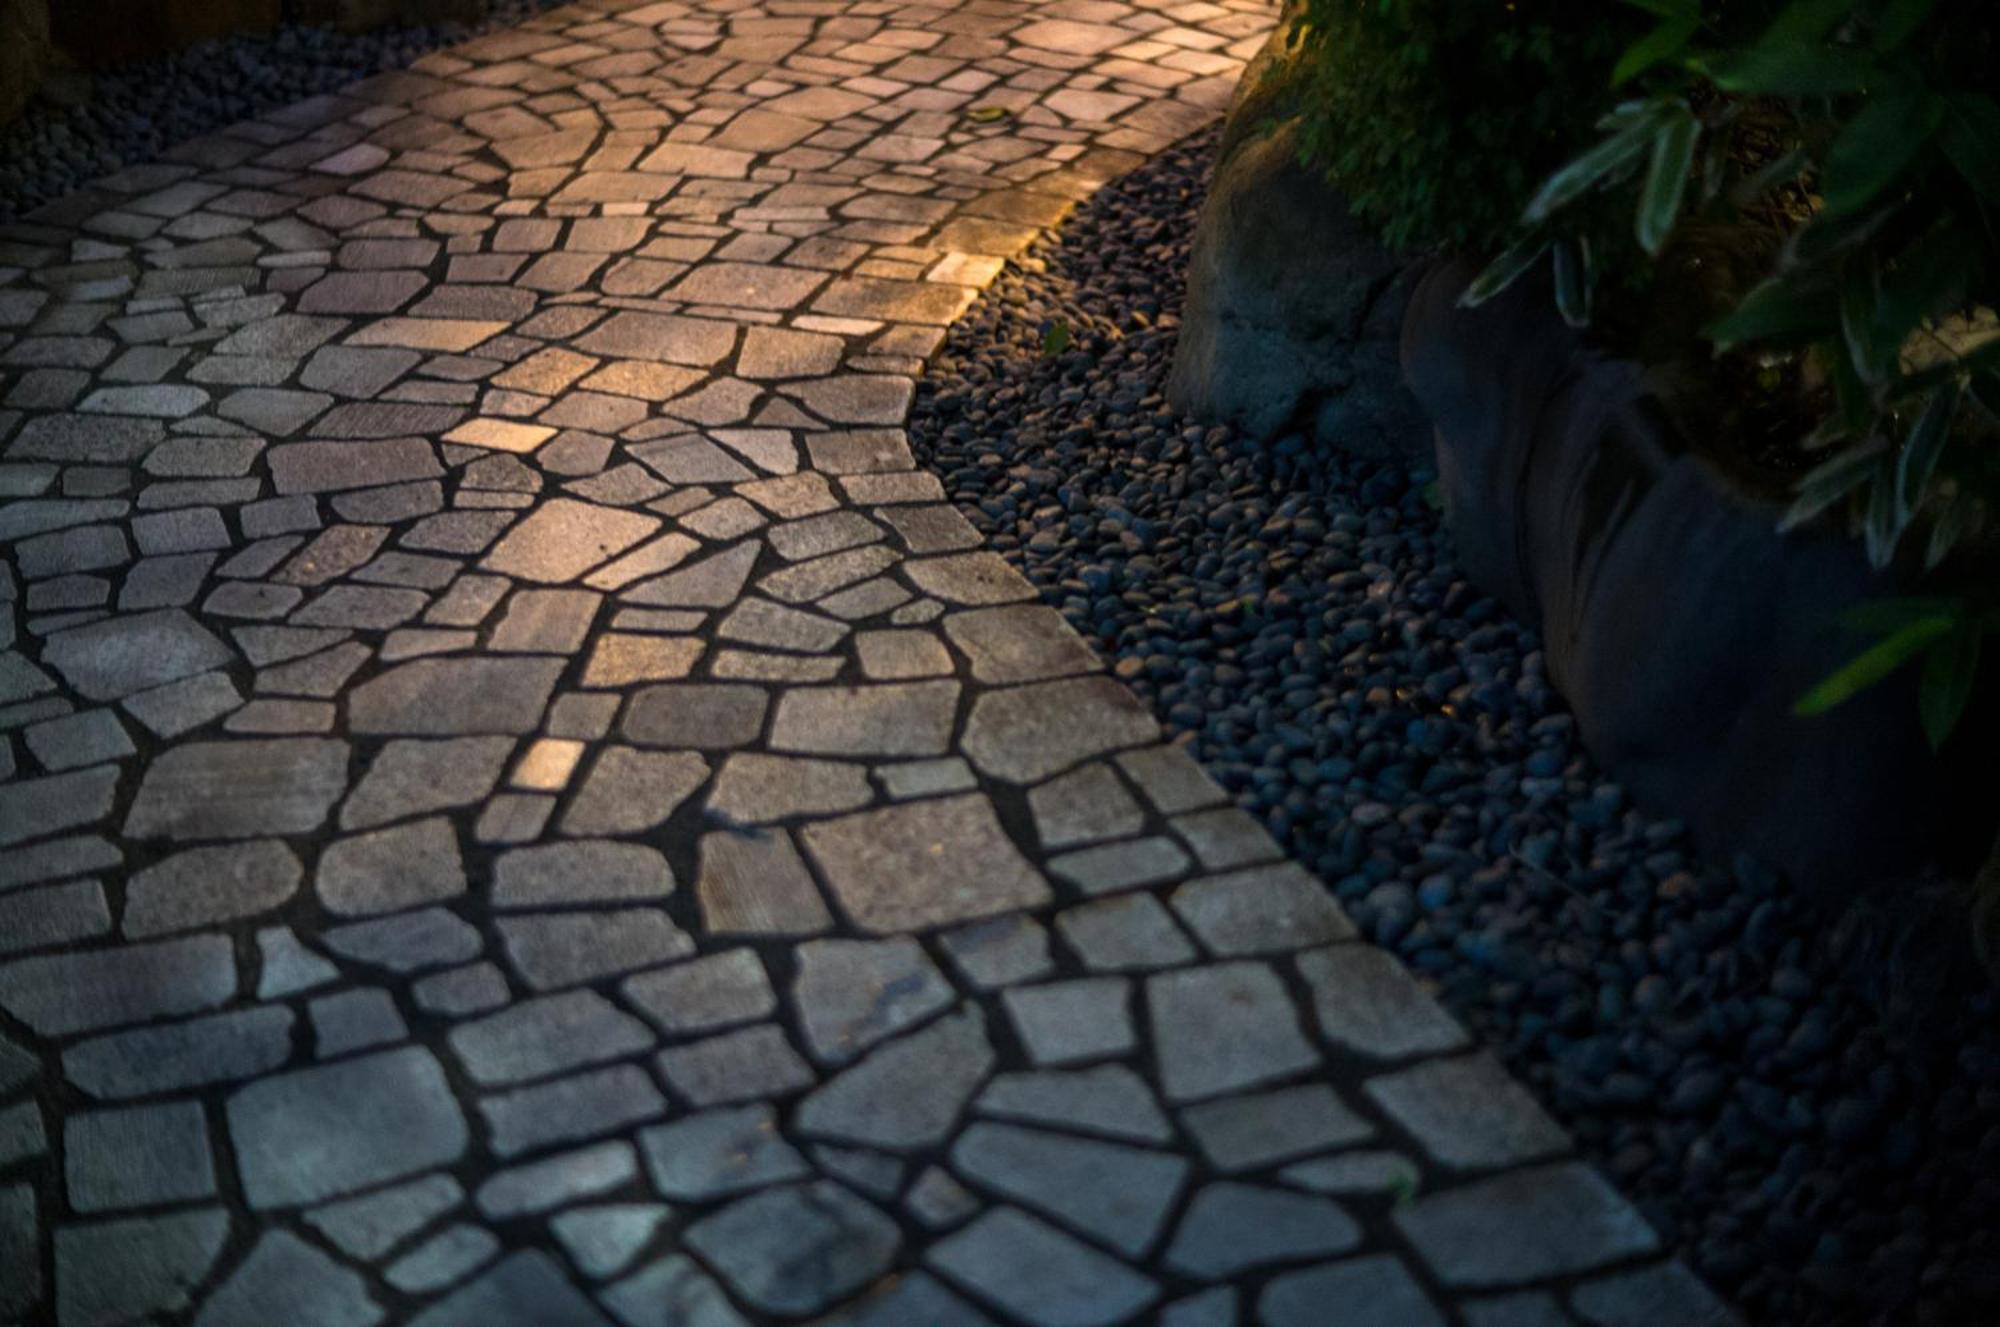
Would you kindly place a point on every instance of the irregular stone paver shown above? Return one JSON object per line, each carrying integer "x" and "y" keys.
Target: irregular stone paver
{"x": 501, "y": 710}
{"x": 371, "y": 1119}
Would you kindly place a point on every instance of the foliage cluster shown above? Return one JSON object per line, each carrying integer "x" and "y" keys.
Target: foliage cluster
{"x": 1597, "y": 136}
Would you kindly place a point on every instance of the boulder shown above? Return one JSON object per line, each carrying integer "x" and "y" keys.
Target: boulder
{"x": 1678, "y": 623}
{"x": 24, "y": 52}
{"x": 1293, "y": 307}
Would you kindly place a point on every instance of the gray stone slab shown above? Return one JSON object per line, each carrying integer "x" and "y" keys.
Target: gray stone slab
{"x": 527, "y": 1287}
{"x": 546, "y": 1035}
{"x": 453, "y": 697}
{"x": 1525, "y": 1225}
{"x": 175, "y": 1056}
{"x": 1367, "y": 1001}
{"x": 1026, "y": 734}
{"x": 1468, "y": 1113}
{"x": 1109, "y": 1099}
{"x": 1667, "y": 1292}
{"x": 317, "y": 1133}
{"x": 752, "y": 1062}
{"x": 1375, "y": 1291}
{"x": 907, "y": 1094}
{"x": 369, "y": 1226}
{"x": 388, "y": 870}
{"x": 58, "y": 995}
{"x": 1222, "y": 1028}
{"x": 551, "y": 949}
{"x": 923, "y": 864}
{"x": 120, "y": 656}
{"x": 1113, "y": 1193}
{"x": 287, "y": 1280}
{"x": 586, "y": 871}
{"x": 1038, "y": 1274}
{"x": 414, "y": 777}
{"x": 886, "y": 719}
{"x": 1019, "y": 643}
{"x": 798, "y": 1249}
{"x": 851, "y": 994}
{"x": 704, "y": 994}
{"x": 240, "y": 789}
{"x": 1251, "y": 1132}
{"x": 569, "y": 1109}
{"x": 1231, "y": 1228}
{"x": 1068, "y": 1022}
{"x": 719, "y": 1152}
{"x": 140, "y": 1156}
{"x": 672, "y": 1292}
{"x": 113, "y": 1272}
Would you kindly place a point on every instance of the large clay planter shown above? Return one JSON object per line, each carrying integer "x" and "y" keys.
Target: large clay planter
{"x": 1678, "y": 623}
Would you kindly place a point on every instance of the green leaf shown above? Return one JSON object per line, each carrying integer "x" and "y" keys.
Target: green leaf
{"x": 1971, "y": 141}
{"x": 1769, "y": 176}
{"x": 1504, "y": 271}
{"x": 1878, "y": 145}
{"x": 1667, "y": 180}
{"x": 1663, "y": 43}
{"x": 1872, "y": 665}
{"x": 1574, "y": 277}
{"x": 1827, "y": 236}
{"x": 1879, "y": 617}
{"x": 1793, "y": 71}
{"x": 1581, "y": 175}
{"x": 1952, "y": 524}
{"x": 1984, "y": 389}
{"x": 1805, "y": 21}
{"x": 1667, "y": 8}
{"x": 988, "y": 114}
{"x": 1926, "y": 444}
{"x": 1780, "y": 307}
{"x": 1884, "y": 527}
{"x": 1055, "y": 338}
{"x": 1896, "y": 20}
{"x": 1950, "y": 670}
{"x": 1929, "y": 278}
{"x": 1830, "y": 481}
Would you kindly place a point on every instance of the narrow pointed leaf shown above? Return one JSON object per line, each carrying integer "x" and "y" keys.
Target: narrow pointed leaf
{"x": 1830, "y": 482}
{"x": 1794, "y": 71}
{"x": 1897, "y": 20}
{"x": 1663, "y": 43}
{"x": 1504, "y": 271}
{"x": 1872, "y": 665}
{"x": 1805, "y": 21}
{"x": 1971, "y": 140}
{"x": 1581, "y": 175}
{"x": 1878, "y": 145}
{"x": 1952, "y": 524}
{"x": 1667, "y": 180}
{"x": 1950, "y": 670}
{"x": 1926, "y": 444}
{"x": 1573, "y": 281}
{"x": 1886, "y": 522}
{"x": 1879, "y": 617}
{"x": 1777, "y": 308}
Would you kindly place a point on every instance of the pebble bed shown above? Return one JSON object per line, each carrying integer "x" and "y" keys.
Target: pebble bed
{"x": 1298, "y": 616}
{"x": 80, "y": 129}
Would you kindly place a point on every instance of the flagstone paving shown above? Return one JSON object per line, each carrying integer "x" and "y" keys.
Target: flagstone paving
{"x": 521, "y": 804}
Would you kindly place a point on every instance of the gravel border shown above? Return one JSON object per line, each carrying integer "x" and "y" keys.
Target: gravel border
{"x": 1297, "y": 615}
{"x": 134, "y": 113}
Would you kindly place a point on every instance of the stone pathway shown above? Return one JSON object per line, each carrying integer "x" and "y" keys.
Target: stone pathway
{"x": 520, "y": 805}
